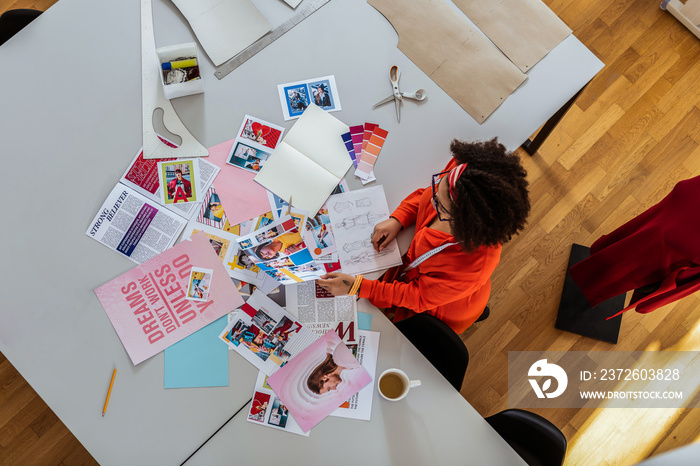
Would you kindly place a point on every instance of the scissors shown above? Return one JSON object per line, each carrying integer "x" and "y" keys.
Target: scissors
{"x": 398, "y": 96}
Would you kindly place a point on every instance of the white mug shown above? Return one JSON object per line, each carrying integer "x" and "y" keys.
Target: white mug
{"x": 394, "y": 384}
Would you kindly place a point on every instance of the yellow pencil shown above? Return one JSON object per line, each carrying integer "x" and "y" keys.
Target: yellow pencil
{"x": 109, "y": 392}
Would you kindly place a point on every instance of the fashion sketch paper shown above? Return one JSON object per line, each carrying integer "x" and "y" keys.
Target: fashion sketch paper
{"x": 353, "y": 216}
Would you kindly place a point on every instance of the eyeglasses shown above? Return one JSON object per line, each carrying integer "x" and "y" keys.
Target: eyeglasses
{"x": 436, "y": 203}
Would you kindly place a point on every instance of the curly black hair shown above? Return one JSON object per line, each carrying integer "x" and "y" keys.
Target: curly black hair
{"x": 491, "y": 201}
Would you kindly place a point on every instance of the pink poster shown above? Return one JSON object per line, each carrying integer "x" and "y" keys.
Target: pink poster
{"x": 318, "y": 380}
{"x": 149, "y": 305}
{"x": 241, "y": 197}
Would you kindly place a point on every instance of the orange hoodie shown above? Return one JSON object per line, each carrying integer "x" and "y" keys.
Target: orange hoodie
{"x": 452, "y": 285}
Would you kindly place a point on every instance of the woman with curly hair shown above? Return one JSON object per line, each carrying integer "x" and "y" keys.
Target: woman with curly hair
{"x": 477, "y": 203}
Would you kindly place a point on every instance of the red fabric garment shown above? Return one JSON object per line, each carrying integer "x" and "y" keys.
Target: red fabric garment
{"x": 452, "y": 285}
{"x": 660, "y": 245}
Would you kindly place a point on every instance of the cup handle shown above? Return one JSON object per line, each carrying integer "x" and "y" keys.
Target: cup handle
{"x": 414, "y": 383}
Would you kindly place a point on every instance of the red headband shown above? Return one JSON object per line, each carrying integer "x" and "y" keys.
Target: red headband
{"x": 452, "y": 178}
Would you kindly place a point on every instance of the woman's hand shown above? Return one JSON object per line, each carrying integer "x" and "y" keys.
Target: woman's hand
{"x": 337, "y": 283}
{"x": 385, "y": 232}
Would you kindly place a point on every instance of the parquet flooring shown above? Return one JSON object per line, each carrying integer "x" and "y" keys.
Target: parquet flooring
{"x": 632, "y": 134}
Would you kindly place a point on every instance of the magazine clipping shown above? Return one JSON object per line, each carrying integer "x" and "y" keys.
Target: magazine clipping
{"x": 135, "y": 226}
{"x": 320, "y": 311}
{"x": 279, "y": 250}
{"x": 265, "y": 334}
{"x": 268, "y": 410}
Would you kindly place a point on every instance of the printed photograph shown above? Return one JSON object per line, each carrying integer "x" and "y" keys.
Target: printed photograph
{"x": 279, "y": 414}
{"x": 242, "y": 261}
{"x": 213, "y": 210}
{"x": 259, "y": 406}
{"x": 297, "y": 99}
{"x": 199, "y": 284}
{"x": 178, "y": 182}
{"x": 322, "y": 94}
{"x": 262, "y": 132}
{"x": 264, "y": 321}
{"x": 248, "y": 158}
{"x": 282, "y": 245}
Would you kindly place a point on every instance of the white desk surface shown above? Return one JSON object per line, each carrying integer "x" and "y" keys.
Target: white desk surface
{"x": 70, "y": 103}
{"x": 432, "y": 425}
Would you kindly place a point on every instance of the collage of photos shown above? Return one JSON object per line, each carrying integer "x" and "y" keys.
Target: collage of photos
{"x": 297, "y": 96}
{"x": 178, "y": 181}
{"x": 266, "y": 334}
{"x": 280, "y": 251}
{"x": 268, "y": 410}
{"x": 254, "y": 143}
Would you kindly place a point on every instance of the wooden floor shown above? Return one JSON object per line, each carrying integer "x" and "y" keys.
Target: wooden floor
{"x": 630, "y": 137}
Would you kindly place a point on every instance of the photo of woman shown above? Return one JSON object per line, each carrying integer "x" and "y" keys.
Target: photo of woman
{"x": 318, "y": 380}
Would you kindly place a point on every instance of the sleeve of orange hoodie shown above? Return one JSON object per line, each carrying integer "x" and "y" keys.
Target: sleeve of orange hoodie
{"x": 407, "y": 212}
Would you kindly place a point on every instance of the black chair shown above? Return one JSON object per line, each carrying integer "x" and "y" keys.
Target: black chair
{"x": 439, "y": 344}
{"x": 534, "y": 438}
{"x": 13, "y": 21}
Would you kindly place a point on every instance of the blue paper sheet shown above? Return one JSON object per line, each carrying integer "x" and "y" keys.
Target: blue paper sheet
{"x": 200, "y": 360}
{"x": 364, "y": 321}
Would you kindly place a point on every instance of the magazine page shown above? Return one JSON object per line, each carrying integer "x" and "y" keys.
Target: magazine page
{"x": 268, "y": 410}
{"x": 168, "y": 297}
{"x": 242, "y": 268}
{"x": 359, "y": 406}
{"x": 320, "y": 311}
{"x": 142, "y": 177}
{"x": 317, "y": 381}
{"x": 353, "y": 216}
{"x": 265, "y": 334}
{"x": 279, "y": 250}
{"x": 134, "y": 226}
{"x": 254, "y": 143}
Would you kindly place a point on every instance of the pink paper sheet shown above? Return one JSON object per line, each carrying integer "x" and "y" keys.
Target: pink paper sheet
{"x": 290, "y": 382}
{"x": 241, "y": 197}
{"x": 147, "y": 304}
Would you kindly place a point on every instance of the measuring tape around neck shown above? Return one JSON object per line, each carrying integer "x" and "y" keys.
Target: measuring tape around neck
{"x": 426, "y": 256}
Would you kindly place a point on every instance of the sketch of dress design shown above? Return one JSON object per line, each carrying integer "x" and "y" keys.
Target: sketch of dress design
{"x": 348, "y": 205}
{"x": 360, "y": 221}
{"x": 356, "y": 245}
{"x": 369, "y": 256}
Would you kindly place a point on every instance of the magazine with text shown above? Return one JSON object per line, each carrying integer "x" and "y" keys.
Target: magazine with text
{"x": 135, "y": 226}
{"x": 320, "y": 311}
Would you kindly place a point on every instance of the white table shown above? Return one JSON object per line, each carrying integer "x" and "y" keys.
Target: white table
{"x": 70, "y": 102}
{"x": 432, "y": 425}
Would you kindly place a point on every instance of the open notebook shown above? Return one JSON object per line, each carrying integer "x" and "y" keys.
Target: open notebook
{"x": 309, "y": 162}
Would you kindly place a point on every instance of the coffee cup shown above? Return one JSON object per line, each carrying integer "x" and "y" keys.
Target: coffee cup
{"x": 394, "y": 384}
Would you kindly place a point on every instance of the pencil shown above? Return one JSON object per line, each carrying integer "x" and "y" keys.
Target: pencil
{"x": 109, "y": 392}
